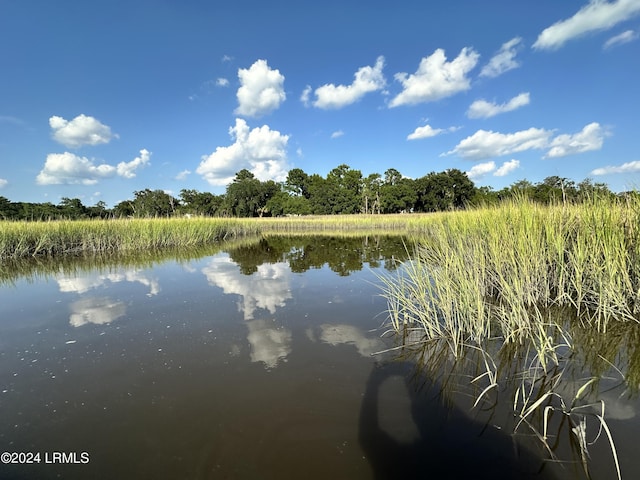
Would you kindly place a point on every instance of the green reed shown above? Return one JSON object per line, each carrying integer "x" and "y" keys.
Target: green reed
{"x": 499, "y": 275}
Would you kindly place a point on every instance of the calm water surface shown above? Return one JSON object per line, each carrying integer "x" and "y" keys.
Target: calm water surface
{"x": 254, "y": 363}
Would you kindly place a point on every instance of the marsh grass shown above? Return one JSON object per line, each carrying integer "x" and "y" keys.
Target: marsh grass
{"x": 500, "y": 275}
{"x": 54, "y": 238}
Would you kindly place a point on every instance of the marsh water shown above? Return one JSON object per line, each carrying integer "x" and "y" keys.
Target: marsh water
{"x": 252, "y": 360}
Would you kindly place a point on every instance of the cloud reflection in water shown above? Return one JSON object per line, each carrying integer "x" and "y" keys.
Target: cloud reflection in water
{"x": 96, "y": 310}
{"x": 268, "y": 288}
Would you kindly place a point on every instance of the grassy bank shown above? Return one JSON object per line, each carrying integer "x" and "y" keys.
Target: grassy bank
{"x": 30, "y": 239}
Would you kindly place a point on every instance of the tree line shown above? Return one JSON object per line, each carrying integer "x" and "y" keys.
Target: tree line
{"x": 343, "y": 191}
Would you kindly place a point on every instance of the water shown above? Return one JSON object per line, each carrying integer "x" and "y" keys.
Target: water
{"x": 251, "y": 362}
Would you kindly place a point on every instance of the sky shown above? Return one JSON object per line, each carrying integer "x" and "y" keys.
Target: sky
{"x": 104, "y": 98}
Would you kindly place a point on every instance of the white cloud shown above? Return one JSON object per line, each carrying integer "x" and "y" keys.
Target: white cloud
{"x": 306, "y": 93}
{"x": 436, "y": 78}
{"x": 82, "y": 130}
{"x": 366, "y": 79}
{"x": 484, "y": 109}
{"x": 3, "y": 182}
{"x": 222, "y": 82}
{"x": 261, "y": 150}
{"x": 504, "y": 60}
{"x": 127, "y": 169}
{"x": 480, "y": 170}
{"x": 628, "y": 167}
{"x": 226, "y": 58}
{"x": 261, "y": 90}
{"x": 597, "y": 15}
{"x": 624, "y": 37}
{"x": 507, "y": 168}
{"x": 183, "y": 174}
{"x": 67, "y": 168}
{"x": 427, "y": 131}
{"x": 590, "y": 138}
{"x": 337, "y": 133}
{"x": 485, "y": 144}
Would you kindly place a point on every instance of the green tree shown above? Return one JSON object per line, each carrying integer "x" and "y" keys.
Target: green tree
{"x": 399, "y": 196}
{"x": 99, "y": 210}
{"x": 248, "y": 197}
{"x": 371, "y": 193}
{"x": 72, "y": 208}
{"x": 345, "y": 188}
{"x": 8, "y": 210}
{"x": 153, "y": 203}
{"x": 200, "y": 203}
{"x": 297, "y": 183}
{"x": 446, "y": 190}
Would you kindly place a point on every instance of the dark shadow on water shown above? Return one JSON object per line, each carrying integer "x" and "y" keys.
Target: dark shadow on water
{"x": 449, "y": 444}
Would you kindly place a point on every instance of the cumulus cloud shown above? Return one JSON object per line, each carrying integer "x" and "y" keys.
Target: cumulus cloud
{"x": 68, "y": 168}
{"x": 597, "y": 15}
{"x": 261, "y": 150}
{"x": 222, "y": 82}
{"x": 481, "y": 169}
{"x": 624, "y": 37}
{"x": 3, "y": 182}
{"x": 366, "y": 79}
{"x": 261, "y": 90}
{"x": 507, "y": 168}
{"x": 128, "y": 169}
{"x": 337, "y": 133}
{"x": 504, "y": 60}
{"x": 485, "y": 144}
{"x": 591, "y": 137}
{"x": 436, "y": 78}
{"x": 628, "y": 167}
{"x": 428, "y": 131}
{"x": 82, "y": 130}
{"x": 483, "y": 109}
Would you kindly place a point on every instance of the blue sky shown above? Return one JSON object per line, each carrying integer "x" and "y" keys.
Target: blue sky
{"x": 100, "y": 99}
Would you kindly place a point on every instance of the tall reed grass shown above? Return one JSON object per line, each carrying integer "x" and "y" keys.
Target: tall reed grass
{"x": 500, "y": 275}
{"x": 495, "y": 271}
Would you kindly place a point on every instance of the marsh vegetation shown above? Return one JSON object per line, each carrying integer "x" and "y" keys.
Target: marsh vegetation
{"x": 524, "y": 290}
